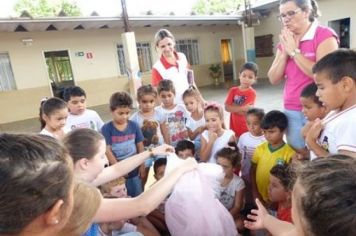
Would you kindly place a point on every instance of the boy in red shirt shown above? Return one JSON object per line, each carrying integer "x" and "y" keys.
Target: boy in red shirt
{"x": 280, "y": 190}
{"x": 241, "y": 98}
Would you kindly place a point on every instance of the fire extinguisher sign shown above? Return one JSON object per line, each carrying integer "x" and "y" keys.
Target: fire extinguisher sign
{"x": 89, "y": 55}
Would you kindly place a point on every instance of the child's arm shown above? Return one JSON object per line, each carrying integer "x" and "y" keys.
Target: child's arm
{"x": 261, "y": 219}
{"x": 239, "y": 196}
{"x": 312, "y": 139}
{"x": 125, "y": 166}
{"x": 165, "y": 133}
{"x": 140, "y": 148}
{"x": 206, "y": 147}
{"x": 110, "y": 155}
{"x": 126, "y": 208}
{"x": 255, "y": 193}
{"x": 193, "y": 134}
{"x": 241, "y": 110}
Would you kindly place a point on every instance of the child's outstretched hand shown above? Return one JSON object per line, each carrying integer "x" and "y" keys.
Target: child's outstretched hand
{"x": 162, "y": 150}
{"x": 258, "y": 216}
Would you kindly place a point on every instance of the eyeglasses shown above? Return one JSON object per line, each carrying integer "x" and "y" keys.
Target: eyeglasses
{"x": 289, "y": 14}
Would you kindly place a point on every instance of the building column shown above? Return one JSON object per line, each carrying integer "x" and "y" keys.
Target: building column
{"x": 132, "y": 66}
{"x": 248, "y": 35}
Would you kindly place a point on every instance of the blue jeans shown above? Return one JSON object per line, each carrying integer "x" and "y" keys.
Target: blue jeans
{"x": 134, "y": 186}
{"x": 296, "y": 122}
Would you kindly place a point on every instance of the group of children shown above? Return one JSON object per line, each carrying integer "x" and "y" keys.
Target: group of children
{"x": 253, "y": 154}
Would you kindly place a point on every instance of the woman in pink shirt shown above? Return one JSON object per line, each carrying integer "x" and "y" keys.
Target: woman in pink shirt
{"x": 302, "y": 42}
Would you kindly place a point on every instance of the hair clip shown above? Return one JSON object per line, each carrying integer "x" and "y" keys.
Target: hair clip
{"x": 231, "y": 147}
{"x": 213, "y": 105}
{"x": 44, "y": 99}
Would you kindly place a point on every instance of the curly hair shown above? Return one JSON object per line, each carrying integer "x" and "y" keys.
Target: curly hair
{"x": 120, "y": 99}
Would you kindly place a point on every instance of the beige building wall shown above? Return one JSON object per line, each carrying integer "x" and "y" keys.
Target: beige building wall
{"x": 99, "y": 76}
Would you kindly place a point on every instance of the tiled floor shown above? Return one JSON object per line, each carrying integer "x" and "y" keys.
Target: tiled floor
{"x": 268, "y": 97}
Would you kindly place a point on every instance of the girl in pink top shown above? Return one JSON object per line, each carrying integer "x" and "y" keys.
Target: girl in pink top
{"x": 302, "y": 42}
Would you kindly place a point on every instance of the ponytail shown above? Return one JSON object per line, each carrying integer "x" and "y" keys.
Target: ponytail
{"x": 49, "y": 106}
{"x": 314, "y": 11}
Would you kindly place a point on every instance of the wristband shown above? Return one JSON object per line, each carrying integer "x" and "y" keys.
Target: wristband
{"x": 150, "y": 151}
{"x": 295, "y": 52}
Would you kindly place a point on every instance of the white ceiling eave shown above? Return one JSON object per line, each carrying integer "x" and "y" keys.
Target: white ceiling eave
{"x": 70, "y": 23}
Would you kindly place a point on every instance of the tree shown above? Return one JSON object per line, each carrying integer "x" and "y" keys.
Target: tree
{"x": 205, "y": 7}
{"x": 47, "y": 8}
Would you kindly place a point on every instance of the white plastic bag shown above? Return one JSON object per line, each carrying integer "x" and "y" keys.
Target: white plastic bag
{"x": 193, "y": 208}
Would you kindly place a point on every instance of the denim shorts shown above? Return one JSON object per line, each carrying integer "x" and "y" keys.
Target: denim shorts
{"x": 296, "y": 121}
{"x": 134, "y": 186}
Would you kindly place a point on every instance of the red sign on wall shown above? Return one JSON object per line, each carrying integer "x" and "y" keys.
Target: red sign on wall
{"x": 89, "y": 55}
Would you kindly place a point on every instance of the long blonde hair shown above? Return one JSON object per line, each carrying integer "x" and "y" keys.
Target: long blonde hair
{"x": 87, "y": 200}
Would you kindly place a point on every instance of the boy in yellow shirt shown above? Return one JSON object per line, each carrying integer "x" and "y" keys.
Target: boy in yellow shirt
{"x": 270, "y": 153}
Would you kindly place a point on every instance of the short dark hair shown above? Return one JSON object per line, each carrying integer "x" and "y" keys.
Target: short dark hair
{"x": 120, "y": 99}
{"x": 328, "y": 202}
{"x": 73, "y": 91}
{"x": 250, "y": 66}
{"x": 146, "y": 90}
{"x": 258, "y": 112}
{"x": 285, "y": 174}
{"x": 310, "y": 92}
{"x": 185, "y": 144}
{"x": 230, "y": 153}
{"x": 158, "y": 163}
{"x": 166, "y": 85}
{"x": 273, "y": 119}
{"x": 36, "y": 172}
{"x": 337, "y": 65}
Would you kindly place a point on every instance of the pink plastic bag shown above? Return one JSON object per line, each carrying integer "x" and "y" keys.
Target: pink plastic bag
{"x": 193, "y": 208}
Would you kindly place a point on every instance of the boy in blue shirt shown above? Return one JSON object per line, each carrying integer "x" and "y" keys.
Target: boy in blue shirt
{"x": 123, "y": 138}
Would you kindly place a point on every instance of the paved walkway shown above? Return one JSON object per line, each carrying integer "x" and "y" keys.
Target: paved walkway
{"x": 268, "y": 97}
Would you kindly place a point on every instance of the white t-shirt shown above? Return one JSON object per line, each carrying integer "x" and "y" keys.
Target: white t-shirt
{"x": 247, "y": 144}
{"x": 157, "y": 117}
{"x": 176, "y": 119}
{"x": 340, "y": 131}
{"x": 194, "y": 124}
{"x": 227, "y": 193}
{"x": 46, "y": 132}
{"x": 89, "y": 119}
{"x": 219, "y": 143}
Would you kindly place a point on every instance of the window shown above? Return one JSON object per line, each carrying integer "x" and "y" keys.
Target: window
{"x": 144, "y": 57}
{"x": 7, "y": 81}
{"x": 121, "y": 56}
{"x": 190, "y": 48}
{"x": 264, "y": 45}
{"x": 342, "y": 28}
